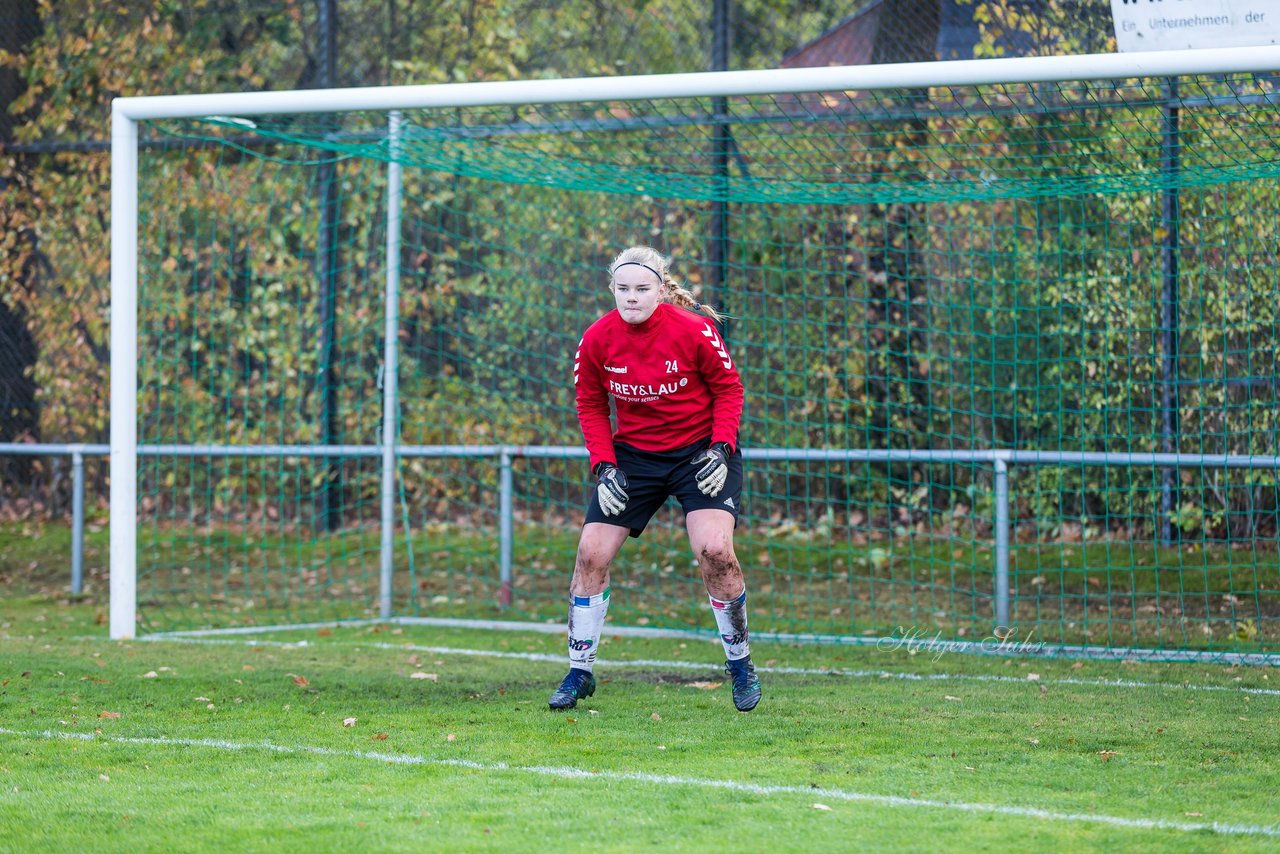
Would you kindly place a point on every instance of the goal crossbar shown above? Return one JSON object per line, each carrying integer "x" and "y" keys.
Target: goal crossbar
{"x": 969, "y": 72}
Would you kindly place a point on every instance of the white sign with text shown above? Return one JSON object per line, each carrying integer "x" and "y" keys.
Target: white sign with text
{"x": 1181, "y": 24}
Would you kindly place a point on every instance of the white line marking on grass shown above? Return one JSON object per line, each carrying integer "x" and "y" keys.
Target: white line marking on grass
{"x": 651, "y": 663}
{"x": 571, "y": 773}
{"x": 1005, "y": 650}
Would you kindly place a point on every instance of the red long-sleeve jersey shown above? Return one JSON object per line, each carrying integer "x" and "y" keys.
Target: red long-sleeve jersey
{"x": 671, "y": 378}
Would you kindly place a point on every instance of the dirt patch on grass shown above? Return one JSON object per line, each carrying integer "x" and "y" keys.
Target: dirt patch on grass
{"x": 660, "y": 677}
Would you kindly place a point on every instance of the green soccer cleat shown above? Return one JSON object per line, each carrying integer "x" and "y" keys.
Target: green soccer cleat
{"x": 577, "y": 685}
{"x": 746, "y": 687}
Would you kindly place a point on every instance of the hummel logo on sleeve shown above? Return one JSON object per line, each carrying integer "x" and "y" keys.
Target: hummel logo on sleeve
{"x": 728, "y": 502}
{"x": 718, "y": 346}
{"x": 611, "y": 369}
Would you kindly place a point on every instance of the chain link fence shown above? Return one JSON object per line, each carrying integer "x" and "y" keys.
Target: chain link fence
{"x": 61, "y": 62}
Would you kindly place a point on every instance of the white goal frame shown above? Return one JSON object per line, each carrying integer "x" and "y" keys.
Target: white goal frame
{"x": 127, "y": 112}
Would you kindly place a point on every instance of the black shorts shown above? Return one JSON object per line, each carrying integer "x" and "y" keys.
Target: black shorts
{"x": 652, "y": 476}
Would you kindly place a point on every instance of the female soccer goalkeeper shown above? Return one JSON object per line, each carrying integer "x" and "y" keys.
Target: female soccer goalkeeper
{"x": 678, "y": 399}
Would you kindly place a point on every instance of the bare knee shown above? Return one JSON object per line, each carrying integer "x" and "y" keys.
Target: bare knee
{"x": 591, "y": 569}
{"x": 717, "y": 556}
{"x": 590, "y": 561}
{"x": 720, "y": 569}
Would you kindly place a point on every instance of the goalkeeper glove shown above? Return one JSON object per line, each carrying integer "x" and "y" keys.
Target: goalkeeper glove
{"x": 611, "y": 488}
{"x": 715, "y": 468}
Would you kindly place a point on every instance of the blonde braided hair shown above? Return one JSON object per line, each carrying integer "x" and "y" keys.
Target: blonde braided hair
{"x": 649, "y": 257}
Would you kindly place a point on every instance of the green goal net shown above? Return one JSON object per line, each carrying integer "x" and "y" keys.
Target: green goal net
{"x": 1009, "y": 353}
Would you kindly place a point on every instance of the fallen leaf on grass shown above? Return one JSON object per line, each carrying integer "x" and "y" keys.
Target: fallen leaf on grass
{"x": 450, "y": 737}
{"x": 1034, "y": 740}
{"x": 301, "y": 681}
{"x": 109, "y": 715}
{"x": 1194, "y": 814}
{"x": 951, "y": 698}
{"x": 706, "y": 686}
{"x": 820, "y": 807}
{"x": 104, "y": 778}
{"x": 349, "y": 721}
{"x": 202, "y": 699}
{"x": 1107, "y": 754}
{"x": 150, "y": 674}
{"x": 382, "y": 736}
{"x": 655, "y": 716}
{"x": 418, "y": 674}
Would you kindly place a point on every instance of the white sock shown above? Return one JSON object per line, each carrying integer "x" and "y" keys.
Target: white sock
{"x": 731, "y": 620}
{"x": 586, "y": 622}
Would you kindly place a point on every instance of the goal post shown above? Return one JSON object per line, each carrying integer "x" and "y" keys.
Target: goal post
{"x": 916, "y": 281}
{"x": 123, "y": 546}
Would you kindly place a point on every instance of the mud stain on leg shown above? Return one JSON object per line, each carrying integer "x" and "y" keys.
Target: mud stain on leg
{"x": 718, "y": 567}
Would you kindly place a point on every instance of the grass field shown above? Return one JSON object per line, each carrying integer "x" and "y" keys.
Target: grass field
{"x": 418, "y": 738}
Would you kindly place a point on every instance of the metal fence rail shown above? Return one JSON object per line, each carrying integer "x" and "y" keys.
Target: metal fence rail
{"x": 1000, "y": 460}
